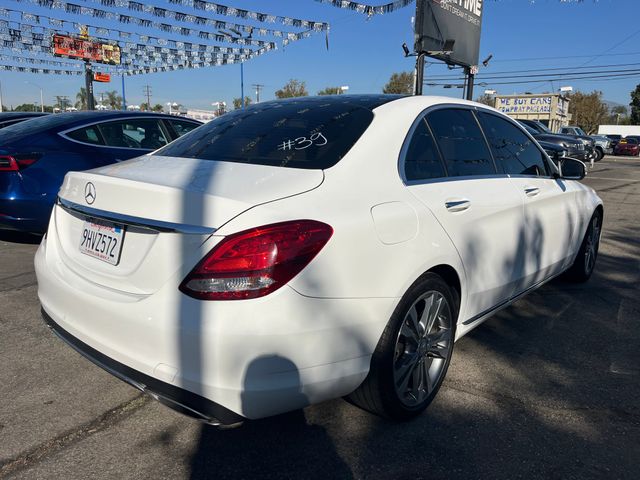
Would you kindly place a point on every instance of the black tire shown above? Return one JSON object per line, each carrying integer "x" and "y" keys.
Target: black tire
{"x": 599, "y": 154}
{"x": 583, "y": 266}
{"x": 378, "y": 393}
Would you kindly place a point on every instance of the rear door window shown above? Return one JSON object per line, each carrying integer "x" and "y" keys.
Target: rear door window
{"x": 182, "y": 126}
{"x": 422, "y": 160}
{"x": 88, "y": 135}
{"x": 144, "y": 133}
{"x": 513, "y": 151}
{"x": 461, "y": 143}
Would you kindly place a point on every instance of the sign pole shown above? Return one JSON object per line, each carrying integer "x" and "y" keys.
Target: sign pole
{"x": 470, "y": 79}
{"x": 419, "y": 75}
{"x": 88, "y": 81}
{"x": 124, "y": 99}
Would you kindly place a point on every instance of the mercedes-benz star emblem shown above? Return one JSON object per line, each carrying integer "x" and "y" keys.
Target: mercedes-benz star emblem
{"x": 89, "y": 193}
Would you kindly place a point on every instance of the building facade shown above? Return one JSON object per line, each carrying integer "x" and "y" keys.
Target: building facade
{"x": 552, "y": 109}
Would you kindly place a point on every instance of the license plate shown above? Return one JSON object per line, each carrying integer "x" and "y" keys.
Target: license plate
{"x": 102, "y": 240}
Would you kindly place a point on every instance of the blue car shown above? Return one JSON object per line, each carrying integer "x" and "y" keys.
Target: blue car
{"x": 36, "y": 154}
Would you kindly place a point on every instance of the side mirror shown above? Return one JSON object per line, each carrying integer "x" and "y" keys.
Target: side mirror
{"x": 572, "y": 169}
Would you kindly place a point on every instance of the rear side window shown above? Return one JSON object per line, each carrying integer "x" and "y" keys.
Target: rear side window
{"x": 513, "y": 151}
{"x": 461, "y": 142}
{"x": 310, "y": 133}
{"x": 182, "y": 126}
{"x": 86, "y": 135}
{"x": 134, "y": 133}
{"x": 422, "y": 161}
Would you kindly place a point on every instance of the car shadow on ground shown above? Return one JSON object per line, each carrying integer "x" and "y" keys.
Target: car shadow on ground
{"x": 534, "y": 392}
{"x": 12, "y": 236}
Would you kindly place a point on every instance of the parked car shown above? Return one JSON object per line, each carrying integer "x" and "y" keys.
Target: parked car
{"x": 628, "y": 146}
{"x": 574, "y": 148}
{"x": 556, "y": 152}
{"x": 306, "y": 249}
{"x": 633, "y": 137}
{"x": 590, "y": 143}
{"x": 603, "y": 146}
{"x": 11, "y": 118}
{"x": 614, "y": 140}
{"x": 35, "y": 155}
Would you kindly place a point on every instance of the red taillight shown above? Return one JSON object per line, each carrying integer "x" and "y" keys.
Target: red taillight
{"x": 15, "y": 163}
{"x": 256, "y": 262}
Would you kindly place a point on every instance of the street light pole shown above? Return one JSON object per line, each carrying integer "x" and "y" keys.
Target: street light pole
{"x": 242, "y": 83}
{"x": 41, "y": 96}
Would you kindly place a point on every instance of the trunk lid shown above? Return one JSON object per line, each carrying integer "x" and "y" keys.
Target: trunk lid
{"x": 168, "y": 207}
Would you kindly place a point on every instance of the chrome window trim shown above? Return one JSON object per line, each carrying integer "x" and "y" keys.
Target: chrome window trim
{"x": 63, "y": 133}
{"x": 129, "y": 220}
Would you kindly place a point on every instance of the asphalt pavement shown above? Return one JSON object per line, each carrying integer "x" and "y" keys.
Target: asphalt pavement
{"x": 548, "y": 388}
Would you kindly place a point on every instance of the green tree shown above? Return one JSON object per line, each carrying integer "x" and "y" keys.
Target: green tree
{"x": 486, "y": 100}
{"x": 588, "y": 110}
{"x": 619, "y": 115}
{"x": 144, "y": 107}
{"x": 26, "y": 107}
{"x": 157, "y": 107}
{"x": 114, "y": 100}
{"x": 634, "y": 118}
{"x": 294, "y": 88}
{"x": 81, "y": 99}
{"x": 330, "y": 91}
{"x": 400, "y": 83}
{"x": 237, "y": 102}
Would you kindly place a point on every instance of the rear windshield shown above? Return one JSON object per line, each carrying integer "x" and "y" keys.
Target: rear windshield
{"x": 311, "y": 133}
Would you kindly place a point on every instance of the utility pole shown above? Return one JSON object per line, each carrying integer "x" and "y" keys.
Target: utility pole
{"x": 146, "y": 90}
{"x": 258, "y": 88}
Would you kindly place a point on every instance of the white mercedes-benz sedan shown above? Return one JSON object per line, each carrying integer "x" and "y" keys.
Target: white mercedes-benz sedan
{"x": 307, "y": 249}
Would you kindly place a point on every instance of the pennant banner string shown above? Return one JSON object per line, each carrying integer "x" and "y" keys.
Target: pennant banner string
{"x": 159, "y": 13}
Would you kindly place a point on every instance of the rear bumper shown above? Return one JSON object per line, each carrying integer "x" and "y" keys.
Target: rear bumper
{"x": 24, "y": 215}
{"x": 219, "y": 360}
{"x": 174, "y": 397}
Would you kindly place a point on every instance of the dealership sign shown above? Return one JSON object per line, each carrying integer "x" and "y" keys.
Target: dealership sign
{"x": 101, "y": 77}
{"x": 524, "y": 105}
{"x": 84, "y": 49}
{"x": 449, "y": 30}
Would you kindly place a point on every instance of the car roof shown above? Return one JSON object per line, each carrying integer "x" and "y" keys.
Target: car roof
{"x": 4, "y": 116}
{"x": 368, "y": 101}
{"x": 68, "y": 120}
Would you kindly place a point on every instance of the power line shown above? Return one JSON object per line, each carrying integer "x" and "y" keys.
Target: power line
{"x": 620, "y": 76}
{"x": 563, "y": 57}
{"x": 565, "y": 71}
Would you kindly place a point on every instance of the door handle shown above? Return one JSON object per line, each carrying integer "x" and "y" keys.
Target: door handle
{"x": 457, "y": 205}
{"x": 531, "y": 191}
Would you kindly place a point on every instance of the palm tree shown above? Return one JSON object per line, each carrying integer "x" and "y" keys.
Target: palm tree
{"x": 114, "y": 100}
{"x": 81, "y": 97}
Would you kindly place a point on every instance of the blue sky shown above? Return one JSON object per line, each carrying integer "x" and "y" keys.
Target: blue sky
{"x": 364, "y": 53}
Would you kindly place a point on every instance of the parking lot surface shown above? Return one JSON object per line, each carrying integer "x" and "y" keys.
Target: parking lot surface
{"x": 547, "y": 388}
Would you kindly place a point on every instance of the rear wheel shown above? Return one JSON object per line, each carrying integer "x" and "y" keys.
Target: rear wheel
{"x": 599, "y": 154}
{"x": 413, "y": 354}
{"x": 585, "y": 261}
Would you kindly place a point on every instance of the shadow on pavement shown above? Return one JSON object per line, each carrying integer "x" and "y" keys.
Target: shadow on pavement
{"x": 12, "y": 236}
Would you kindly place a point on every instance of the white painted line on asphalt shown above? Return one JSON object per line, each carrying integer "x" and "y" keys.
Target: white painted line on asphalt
{"x": 615, "y": 179}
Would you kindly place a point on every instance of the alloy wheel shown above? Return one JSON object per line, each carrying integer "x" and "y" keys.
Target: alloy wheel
{"x": 423, "y": 346}
{"x": 591, "y": 248}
